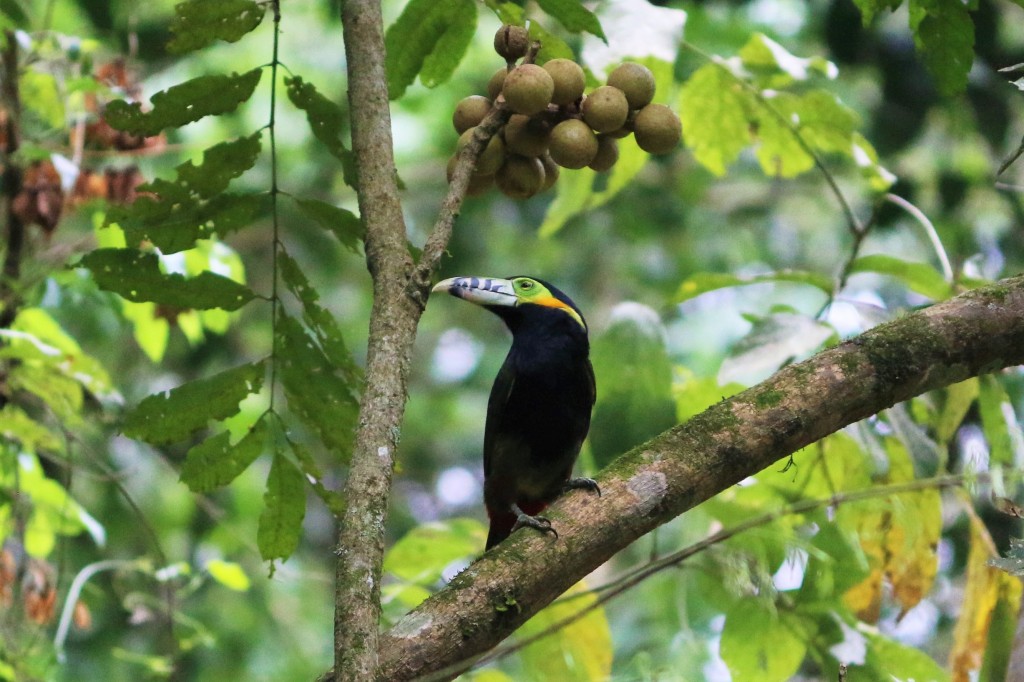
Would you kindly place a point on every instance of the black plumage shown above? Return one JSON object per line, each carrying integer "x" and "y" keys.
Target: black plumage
{"x": 538, "y": 413}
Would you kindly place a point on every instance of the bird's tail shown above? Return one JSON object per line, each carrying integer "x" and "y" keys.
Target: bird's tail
{"x": 503, "y": 520}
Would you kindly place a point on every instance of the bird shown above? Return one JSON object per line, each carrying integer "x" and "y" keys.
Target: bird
{"x": 538, "y": 413}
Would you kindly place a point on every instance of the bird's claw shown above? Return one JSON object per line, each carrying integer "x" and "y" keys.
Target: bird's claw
{"x": 582, "y": 484}
{"x": 540, "y": 523}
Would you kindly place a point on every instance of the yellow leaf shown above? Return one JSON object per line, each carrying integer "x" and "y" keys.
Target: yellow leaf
{"x": 980, "y": 597}
{"x": 580, "y": 651}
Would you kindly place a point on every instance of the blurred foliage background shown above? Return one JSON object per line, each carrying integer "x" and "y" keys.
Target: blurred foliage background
{"x": 187, "y": 595}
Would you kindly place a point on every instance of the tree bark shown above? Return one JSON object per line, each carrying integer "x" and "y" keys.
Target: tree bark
{"x": 977, "y": 332}
{"x": 393, "y": 321}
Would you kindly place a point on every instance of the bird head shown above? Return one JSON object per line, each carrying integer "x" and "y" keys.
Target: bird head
{"x": 516, "y": 300}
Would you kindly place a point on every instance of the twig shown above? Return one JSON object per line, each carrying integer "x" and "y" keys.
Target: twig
{"x": 929, "y": 230}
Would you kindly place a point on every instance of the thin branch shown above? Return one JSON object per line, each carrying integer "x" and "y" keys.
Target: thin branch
{"x": 275, "y": 300}
{"x": 929, "y": 230}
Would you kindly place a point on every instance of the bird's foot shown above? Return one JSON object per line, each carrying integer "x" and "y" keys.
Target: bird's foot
{"x": 582, "y": 484}
{"x": 524, "y": 520}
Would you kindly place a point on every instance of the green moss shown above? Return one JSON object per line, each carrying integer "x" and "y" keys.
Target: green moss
{"x": 900, "y": 350}
{"x": 768, "y": 398}
{"x": 849, "y": 363}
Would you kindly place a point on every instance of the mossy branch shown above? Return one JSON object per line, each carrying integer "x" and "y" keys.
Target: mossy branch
{"x": 977, "y": 332}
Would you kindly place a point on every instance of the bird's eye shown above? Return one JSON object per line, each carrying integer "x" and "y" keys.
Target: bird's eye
{"x": 526, "y": 285}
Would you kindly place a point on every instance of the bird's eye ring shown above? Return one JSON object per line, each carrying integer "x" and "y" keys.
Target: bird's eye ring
{"x": 526, "y": 285}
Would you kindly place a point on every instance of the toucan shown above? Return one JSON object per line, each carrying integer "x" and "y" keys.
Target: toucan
{"x": 538, "y": 413}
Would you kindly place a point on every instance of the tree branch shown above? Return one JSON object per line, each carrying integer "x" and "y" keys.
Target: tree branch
{"x": 393, "y": 320}
{"x": 976, "y": 332}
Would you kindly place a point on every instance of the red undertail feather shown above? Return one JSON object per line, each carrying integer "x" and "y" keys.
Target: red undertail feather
{"x": 503, "y": 521}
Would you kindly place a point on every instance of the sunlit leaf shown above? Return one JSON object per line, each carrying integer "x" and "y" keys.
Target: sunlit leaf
{"x": 280, "y": 526}
{"x": 229, "y": 574}
{"x": 174, "y": 415}
{"x": 432, "y": 33}
{"x": 136, "y": 275}
{"x": 702, "y": 282}
{"x": 184, "y": 103}
{"x": 61, "y": 393}
{"x": 712, "y": 110}
{"x": 761, "y": 645}
{"x": 580, "y": 651}
{"x": 770, "y": 59}
{"x": 772, "y": 342}
{"x": 958, "y": 400}
{"x": 573, "y": 15}
{"x": 323, "y": 398}
{"x": 981, "y": 595}
{"x": 869, "y": 8}
{"x": 422, "y": 554}
{"x": 343, "y": 224}
{"x": 197, "y": 23}
{"x": 40, "y": 93}
{"x": 1002, "y": 431}
{"x": 217, "y": 461}
{"x": 821, "y": 121}
{"x": 16, "y": 425}
{"x": 326, "y": 120}
{"x": 919, "y": 277}
{"x": 888, "y": 659}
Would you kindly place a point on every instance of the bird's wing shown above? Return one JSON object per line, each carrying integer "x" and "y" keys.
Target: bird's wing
{"x": 501, "y": 391}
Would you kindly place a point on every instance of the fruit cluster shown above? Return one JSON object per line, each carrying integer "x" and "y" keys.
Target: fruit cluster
{"x": 553, "y": 124}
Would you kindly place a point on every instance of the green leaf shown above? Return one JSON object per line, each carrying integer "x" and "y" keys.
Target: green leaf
{"x": 174, "y": 415}
{"x": 999, "y": 423}
{"x": 434, "y": 31}
{"x": 573, "y": 15}
{"x": 321, "y": 396}
{"x": 216, "y": 461}
{"x": 777, "y": 67}
{"x": 13, "y": 10}
{"x": 634, "y": 371}
{"x": 334, "y": 500}
{"x": 344, "y": 224}
{"x": 61, "y": 393}
{"x": 580, "y": 651}
{"x": 888, "y": 659}
{"x": 194, "y": 205}
{"x": 184, "y": 103}
{"x": 712, "y": 110}
{"x": 944, "y": 35}
{"x": 919, "y": 277}
{"x": 870, "y": 8}
{"x": 958, "y": 400}
{"x": 136, "y": 275}
{"x": 229, "y": 574}
{"x": 440, "y": 64}
{"x": 422, "y": 554}
{"x": 16, "y": 425}
{"x": 197, "y": 23}
{"x": 280, "y": 526}
{"x": 551, "y": 46}
{"x": 821, "y": 121}
{"x": 320, "y": 321}
{"x": 39, "y": 92}
{"x": 758, "y": 644}
{"x": 327, "y": 122}
{"x": 703, "y": 282}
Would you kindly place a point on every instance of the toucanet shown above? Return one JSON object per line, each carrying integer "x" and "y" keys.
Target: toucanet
{"x": 539, "y": 410}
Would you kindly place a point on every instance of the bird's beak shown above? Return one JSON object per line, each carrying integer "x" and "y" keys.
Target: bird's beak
{"x": 480, "y": 290}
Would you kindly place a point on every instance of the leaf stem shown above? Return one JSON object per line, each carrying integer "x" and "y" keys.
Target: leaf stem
{"x": 929, "y": 230}
{"x": 275, "y": 300}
